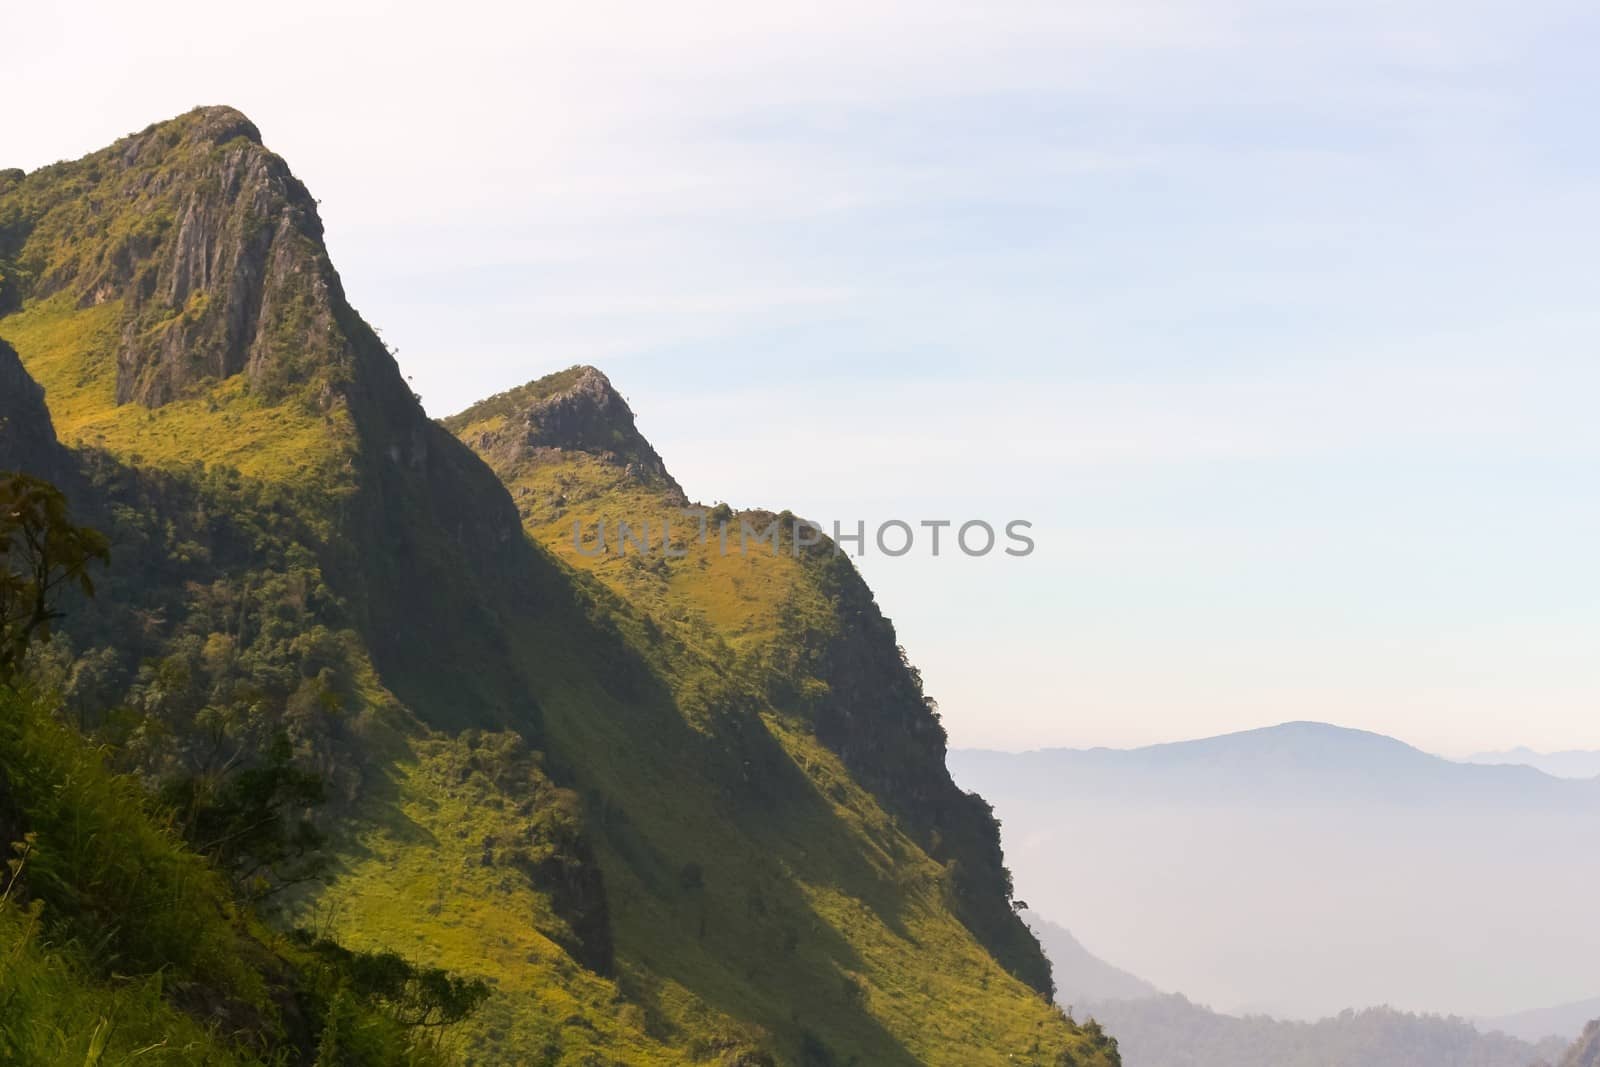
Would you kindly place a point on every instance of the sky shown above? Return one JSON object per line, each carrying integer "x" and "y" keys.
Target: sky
{"x": 1276, "y": 319}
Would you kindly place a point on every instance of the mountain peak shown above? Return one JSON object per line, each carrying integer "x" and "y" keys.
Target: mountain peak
{"x": 214, "y": 124}
{"x": 206, "y": 245}
{"x": 1301, "y": 736}
{"x": 173, "y": 295}
{"x": 575, "y": 410}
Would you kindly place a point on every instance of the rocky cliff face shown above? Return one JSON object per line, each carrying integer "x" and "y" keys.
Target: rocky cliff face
{"x": 210, "y": 243}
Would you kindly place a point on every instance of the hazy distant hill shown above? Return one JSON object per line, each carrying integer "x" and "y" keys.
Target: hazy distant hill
{"x": 1170, "y": 1031}
{"x": 1573, "y": 764}
{"x": 1306, "y": 764}
{"x": 1565, "y": 1021}
{"x": 1081, "y": 976}
{"x": 1304, "y": 868}
{"x": 1161, "y": 1030}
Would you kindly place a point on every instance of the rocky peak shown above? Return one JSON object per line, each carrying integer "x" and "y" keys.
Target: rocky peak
{"x": 575, "y": 410}
{"x": 209, "y": 242}
{"x": 208, "y": 126}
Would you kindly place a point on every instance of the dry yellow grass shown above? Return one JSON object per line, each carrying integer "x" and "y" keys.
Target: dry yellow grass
{"x": 71, "y": 352}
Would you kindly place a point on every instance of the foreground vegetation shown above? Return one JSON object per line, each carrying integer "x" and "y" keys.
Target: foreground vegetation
{"x": 120, "y": 943}
{"x": 123, "y": 936}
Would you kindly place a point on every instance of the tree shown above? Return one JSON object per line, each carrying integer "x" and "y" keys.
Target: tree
{"x": 42, "y": 552}
{"x": 248, "y": 825}
{"x": 417, "y": 997}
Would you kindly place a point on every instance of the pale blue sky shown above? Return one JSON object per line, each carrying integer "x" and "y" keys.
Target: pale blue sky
{"x": 1276, "y": 318}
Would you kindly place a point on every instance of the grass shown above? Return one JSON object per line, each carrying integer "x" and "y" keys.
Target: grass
{"x": 112, "y": 878}
{"x": 102, "y": 914}
{"x": 120, "y": 945}
{"x": 819, "y": 920}
{"x": 738, "y": 599}
{"x": 414, "y": 877}
{"x": 58, "y": 1014}
{"x": 71, "y": 352}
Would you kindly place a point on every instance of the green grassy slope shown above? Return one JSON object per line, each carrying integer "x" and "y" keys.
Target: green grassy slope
{"x": 683, "y": 815}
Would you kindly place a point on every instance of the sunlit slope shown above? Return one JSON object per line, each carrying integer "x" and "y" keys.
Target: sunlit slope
{"x": 594, "y": 492}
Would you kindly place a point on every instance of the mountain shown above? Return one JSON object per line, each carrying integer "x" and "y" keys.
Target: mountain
{"x": 669, "y": 809}
{"x": 1571, "y": 764}
{"x": 1301, "y": 763}
{"x": 1081, "y": 976}
{"x": 1169, "y": 1031}
{"x": 1303, "y": 868}
{"x": 1565, "y": 1021}
{"x": 1155, "y": 1030}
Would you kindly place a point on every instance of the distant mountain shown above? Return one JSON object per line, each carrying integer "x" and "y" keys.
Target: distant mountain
{"x": 1306, "y": 764}
{"x": 1570, "y": 764}
{"x": 1170, "y": 1031}
{"x": 1160, "y": 1030}
{"x": 1302, "y": 868}
{"x": 1081, "y": 976}
{"x": 1565, "y": 1021}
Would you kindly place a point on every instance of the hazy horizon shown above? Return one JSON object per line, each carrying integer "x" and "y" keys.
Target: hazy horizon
{"x": 1520, "y": 755}
{"x": 1304, "y": 870}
